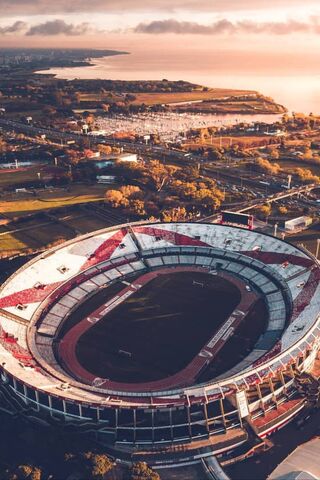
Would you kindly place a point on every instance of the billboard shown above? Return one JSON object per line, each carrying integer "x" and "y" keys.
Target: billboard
{"x": 240, "y": 219}
{"x": 242, "y": 404}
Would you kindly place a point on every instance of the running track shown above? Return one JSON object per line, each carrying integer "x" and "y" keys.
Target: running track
{"x": 186, "y": 376}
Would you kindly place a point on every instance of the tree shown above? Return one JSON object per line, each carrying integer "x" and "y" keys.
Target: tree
{"x": 264, "y": 165}
{"x": 3, "y": 145}
{"x": 24, "y": 472}
{"x": 264, "y": 210}
{"x": 307, "y": 154}
{"x": 159, "y": 173}
{"x": 89, "y": 465}
{"x": 104, "y": 149}
{"x": 274, "y": 153}
{"x": 306, "y": 175}
{"x": 141, "y": 471}
{"x": 98, "y": 464}
{"x": 73, "y": 156}
{"x": 131, "y": 191}
{"x": 137, "y": 207}
{"x": 282, "y": 210}
{"x": 174, "y": 214}
{"x": 114, "y": 197}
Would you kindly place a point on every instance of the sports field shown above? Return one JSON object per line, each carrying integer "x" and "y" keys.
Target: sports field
{"x": 240, "y": 344}
{"x": 158, "y": 330}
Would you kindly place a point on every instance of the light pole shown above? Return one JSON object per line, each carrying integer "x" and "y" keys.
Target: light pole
{"x": 318, "y": 248}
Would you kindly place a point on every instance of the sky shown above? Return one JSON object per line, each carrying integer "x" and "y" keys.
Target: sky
{"x": 259, "y": 40}
{"x": 97, "y": 23}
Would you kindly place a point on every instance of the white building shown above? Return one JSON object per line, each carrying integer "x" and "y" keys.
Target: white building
{"x": 127, "y": 157}
{"x": 108, "y": 179}
{"x": 297, "y": 224}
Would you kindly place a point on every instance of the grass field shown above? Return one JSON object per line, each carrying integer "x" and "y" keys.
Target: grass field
{"x": 164, "y": 325}
{"x": 9, "y": 242}
{"x": 86, "y": 223}
{"x": 21, "y": 204}
{"x": 217, "y": 142}
{"x": 33, "y": 234}
{"x": 240, "y": 344}
{"x": 176, "y": 97}
{"x": 16, "y": 177}
{"x": 45, "y": 229}
{"x": 168, "y": 97}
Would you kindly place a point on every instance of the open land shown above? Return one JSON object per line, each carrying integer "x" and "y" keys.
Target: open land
{"x": 52, "y": 198}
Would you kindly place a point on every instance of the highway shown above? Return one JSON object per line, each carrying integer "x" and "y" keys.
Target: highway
{"x": 251, "y": 204}
{"x": 156, "y": 151}
{"x": 65, "y": 137}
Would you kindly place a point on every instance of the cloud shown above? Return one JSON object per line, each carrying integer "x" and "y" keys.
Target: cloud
{"x": 40, "y": 7}
{"x": 225, "y": 26}
{"x": 59, "y": 27}
{"x": 16, "y": 27}
{"x": 174, "y": 26}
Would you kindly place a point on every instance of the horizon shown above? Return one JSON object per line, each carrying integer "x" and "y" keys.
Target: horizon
{"x": 205, "y": 39}
{"x": 274, "y": 27}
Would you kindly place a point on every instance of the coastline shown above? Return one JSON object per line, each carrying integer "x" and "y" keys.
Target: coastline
{"x": 57, "y": 72}
{"x": 85, "y": 63}
{"x": 91, "y": 71}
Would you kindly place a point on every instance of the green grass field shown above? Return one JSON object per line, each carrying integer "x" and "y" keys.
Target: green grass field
{"x": 176, "y": 97}
{"x": 16, "y": 177}
{"x": 10, "y": 242}
{"x": 39, "y": 233}
{"x": 86, "y": 223}
{"x": 20, "y": 204}
{"x": 163, "y": 325}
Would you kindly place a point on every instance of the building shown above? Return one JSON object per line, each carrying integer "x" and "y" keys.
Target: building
{"x": 127, "y": 157}
{"x": 297, "y": 224}
{"x": 109, "y": 160}
{"x": 238, "y": 387}
{"x": 108, "y": 179}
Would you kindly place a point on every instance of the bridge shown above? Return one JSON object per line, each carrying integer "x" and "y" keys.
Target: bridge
{"x": 262, "y": 201}
{"x": 277, "y": 196}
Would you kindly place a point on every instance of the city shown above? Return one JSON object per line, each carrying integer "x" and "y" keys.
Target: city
{"x": 159, "y": 253}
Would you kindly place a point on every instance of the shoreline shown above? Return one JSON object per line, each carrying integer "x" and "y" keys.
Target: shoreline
{"x": 85, "y": 64}
{"x": 65, "y": 73}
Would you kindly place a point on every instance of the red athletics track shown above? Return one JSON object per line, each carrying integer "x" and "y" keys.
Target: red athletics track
{"x": 186, "y": 376}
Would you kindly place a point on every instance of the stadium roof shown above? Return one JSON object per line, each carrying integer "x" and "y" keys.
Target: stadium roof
{"x": 301, "y": 464}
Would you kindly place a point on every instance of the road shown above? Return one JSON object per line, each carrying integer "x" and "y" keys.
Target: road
{"x": 284, "y": 441}
{"x": 157, "y": 150}
{"x": 251, "y": 204}
{"x": 65, "y": 137}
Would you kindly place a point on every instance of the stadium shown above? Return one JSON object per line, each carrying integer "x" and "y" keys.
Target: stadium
{"x": 169, "y": 342}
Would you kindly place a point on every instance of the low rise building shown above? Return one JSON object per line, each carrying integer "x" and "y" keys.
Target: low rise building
{"x": 297, "y": 224}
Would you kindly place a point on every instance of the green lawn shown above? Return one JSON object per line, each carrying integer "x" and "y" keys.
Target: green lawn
{"x": 20, "y": 204}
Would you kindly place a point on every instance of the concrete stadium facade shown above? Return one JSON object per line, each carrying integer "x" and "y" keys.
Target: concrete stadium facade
{"x": 178, "y": 419}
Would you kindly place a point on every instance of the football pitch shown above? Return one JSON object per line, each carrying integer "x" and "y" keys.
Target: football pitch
{"x": 158, "y": 330}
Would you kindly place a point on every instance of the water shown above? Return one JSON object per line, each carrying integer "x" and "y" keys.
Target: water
{"x": 170, "y": 126}
{"x": 293, "y": 81}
